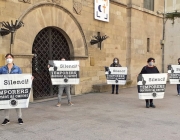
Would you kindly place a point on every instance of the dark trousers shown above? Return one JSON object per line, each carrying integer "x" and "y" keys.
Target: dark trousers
{"x": 178, "y": 88}
{"x": 149, "y": 100}
{"x": 117, "y": 87}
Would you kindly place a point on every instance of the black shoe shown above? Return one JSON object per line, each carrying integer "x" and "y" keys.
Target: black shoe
{"x": 20, "y": 121}
{"x": 6, "y": 121}
{"x": 117, "y": 93}
{"x": 147, "y": 105}
{"x": 152, "y": 105}
{"x": 112, "y": 92}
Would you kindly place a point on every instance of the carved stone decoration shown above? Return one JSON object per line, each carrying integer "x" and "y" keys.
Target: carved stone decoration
{"x": 77, "y": 7}
{"x": 59, "y": 2}
{"x": 87, "y": 3}
{"x": 25, "y": 1}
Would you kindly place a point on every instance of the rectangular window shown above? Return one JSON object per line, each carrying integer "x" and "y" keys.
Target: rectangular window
{"x": 148, "y": 44}
{"x": 149, "y": 4}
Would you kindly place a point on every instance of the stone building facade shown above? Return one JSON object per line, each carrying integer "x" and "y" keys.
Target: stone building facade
{"x": 134, "y": 35}
{"x": 172, "y": 36}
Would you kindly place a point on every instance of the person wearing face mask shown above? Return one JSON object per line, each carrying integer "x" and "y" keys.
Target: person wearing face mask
{"x": 61, "y": 89}
{"x": 11, "y": 68}
{"x": 178, "y": 85}
{"x": 115, "y": 64}
{"x": 148, "y": 69}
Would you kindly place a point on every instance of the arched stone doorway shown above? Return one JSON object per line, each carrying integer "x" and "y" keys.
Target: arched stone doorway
{"x": 49, "y": 44}
{"x": 43, "y": 15}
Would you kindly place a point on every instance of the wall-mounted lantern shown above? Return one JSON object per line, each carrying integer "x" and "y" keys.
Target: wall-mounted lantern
{"x": 10, "y": 28}
{"x": 98, "y": 39}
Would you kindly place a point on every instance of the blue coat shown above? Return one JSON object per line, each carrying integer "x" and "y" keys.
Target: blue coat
{"x": 15, "y": 70}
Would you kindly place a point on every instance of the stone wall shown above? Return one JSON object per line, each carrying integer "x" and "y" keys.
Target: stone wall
{"x": 129, "y": 27}
{"x": 172, "y": 42}
{"x": 92, "y": 70}
{"x": 172, "y": 36}
{"x": 143, "y": 26}
{"x": 2, "y": 60}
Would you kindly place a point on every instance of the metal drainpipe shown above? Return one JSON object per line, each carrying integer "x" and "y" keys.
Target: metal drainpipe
{"x": 162, "y": 43}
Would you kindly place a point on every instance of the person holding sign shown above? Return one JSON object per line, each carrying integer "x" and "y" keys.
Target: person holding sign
{"x": 11, "y": 68}
{"x": 178, "y": 85}
{"x": 65, "y": 87}
{"x": 115, "y": 64}
{"x": 148, "y": 69}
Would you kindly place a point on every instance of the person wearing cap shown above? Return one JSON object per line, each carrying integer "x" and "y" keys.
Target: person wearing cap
{"x": 115, "y": 64}
{"x": 148, "y": 69}
{"x": 178, "y": 85}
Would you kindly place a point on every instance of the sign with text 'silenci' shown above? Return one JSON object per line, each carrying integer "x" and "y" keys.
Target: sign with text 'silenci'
{"x": 101, "y": 10}
{"x": 116, "y": 75}
{"x": 64, "y": 72}
{"x": 152, "y": 86}
{"x": 15, "y": 90}
{"x": 174, "y": 71}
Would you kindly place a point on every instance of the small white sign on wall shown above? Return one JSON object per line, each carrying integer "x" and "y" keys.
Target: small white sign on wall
{"x": 101, "y": 10}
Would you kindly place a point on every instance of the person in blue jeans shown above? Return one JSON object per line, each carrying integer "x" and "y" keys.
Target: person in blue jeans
{"x": 62, "y": 88}
{"x": 11, "y": 68}
{"x": 178, "y": 85}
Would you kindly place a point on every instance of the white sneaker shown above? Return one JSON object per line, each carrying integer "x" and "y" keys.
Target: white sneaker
{"x": 70, "y": 104}
{"x": 58, "y": 105}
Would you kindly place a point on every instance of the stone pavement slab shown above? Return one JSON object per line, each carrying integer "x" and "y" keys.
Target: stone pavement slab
{"x": 98, "y": 116}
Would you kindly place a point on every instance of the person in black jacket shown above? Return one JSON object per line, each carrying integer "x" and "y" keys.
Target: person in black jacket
{"x": 178, "y": 85}
{"x": 115, "y": 64}
{"x": 148, "y": 69}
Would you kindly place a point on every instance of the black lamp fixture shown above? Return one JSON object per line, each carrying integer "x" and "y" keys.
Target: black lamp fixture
{"x": 98, "y": 39}
{"x": 10, "y": 28}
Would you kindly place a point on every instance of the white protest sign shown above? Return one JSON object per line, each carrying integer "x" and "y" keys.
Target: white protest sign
{"x": 116, "y": 75}
{"x": 174, "y": 71}
{"x": 152, "y": 86}
{"x": 64, "y": 72}
{"x": 14, "y": 90}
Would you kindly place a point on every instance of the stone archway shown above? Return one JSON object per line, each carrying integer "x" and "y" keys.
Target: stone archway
{"x": 38, "y": 17}
{"x": 48, "y": 14}
{"x": 49, "y": 44}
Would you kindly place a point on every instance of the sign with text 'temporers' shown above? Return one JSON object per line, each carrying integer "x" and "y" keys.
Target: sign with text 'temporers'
{"x": 174, "y": 71}
{"x": 64, "y": 72}
{"x": 101, "y": 10}
{"x": 152, "y": 86}
{"x": 116, "y": 75}
{"x": 15, "y": 90}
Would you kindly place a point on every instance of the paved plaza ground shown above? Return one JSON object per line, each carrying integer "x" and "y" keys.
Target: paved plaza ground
{"x": 98, "y": 116}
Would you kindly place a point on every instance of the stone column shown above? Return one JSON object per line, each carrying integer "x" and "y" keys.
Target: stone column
{"x": 77, "y": 89}
{"x": 2, "y": 60}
